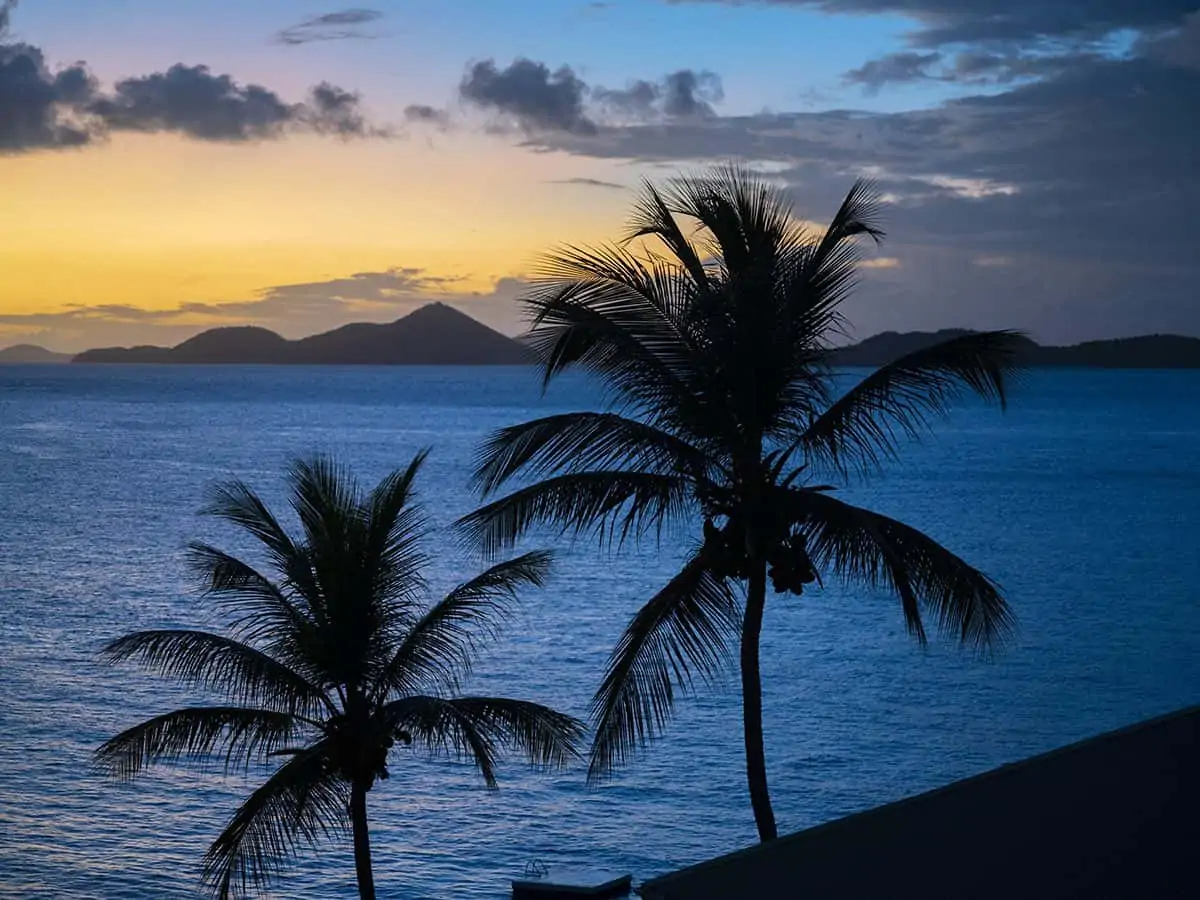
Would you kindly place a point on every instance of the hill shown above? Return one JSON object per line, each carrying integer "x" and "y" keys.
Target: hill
{"x": 438, "y": 334}
{"x": 435, "y": 334}
{"x": 24, "y": 354}
{"x": 1155, "y": 351}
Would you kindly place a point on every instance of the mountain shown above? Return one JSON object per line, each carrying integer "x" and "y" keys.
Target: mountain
{"x": 1155, "y": 351}
{"x": 435, "y": 334}
{"x": 438, "y": 334}
{"x": 23, "y": 354}
{"x": 1152, "y": 351}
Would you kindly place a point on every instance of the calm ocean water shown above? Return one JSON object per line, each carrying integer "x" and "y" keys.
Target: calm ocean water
{"x": 1084, "y": 501}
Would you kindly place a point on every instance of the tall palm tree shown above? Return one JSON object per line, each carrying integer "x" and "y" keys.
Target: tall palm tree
{"x": 711, "y": 326}
{"x": 330, "y": 659}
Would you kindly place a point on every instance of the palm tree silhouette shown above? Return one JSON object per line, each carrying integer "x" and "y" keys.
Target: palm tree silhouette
{"x": 714, "y": 346}
{"x": 327, "y": 664}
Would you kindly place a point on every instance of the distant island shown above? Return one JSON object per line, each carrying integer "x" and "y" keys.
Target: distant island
{"x": 438, "y": 334}
{"x": 1155, "y": 351}
{"x": 30, "y": 354}
{"x": 434, "y": 335}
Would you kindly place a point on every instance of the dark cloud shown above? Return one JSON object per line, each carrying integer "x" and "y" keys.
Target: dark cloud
{"x": 970, "y": 67}
{"x": 530, "y": 95}
{"x": 637, "y": 101}
{"x": 336, "y": 111}
{"x": 1178, "y": 47}
{"x": 895, "y": 67}
{"x": 41, "y": 108}
{"x": 981, "y": 67}
{"x": 335, "y": 26}
{"x": 685, "y": 93}
{"x": 420, "y": 113}
{"x": 191, "y": 100}
{"x": 943, "y": 22}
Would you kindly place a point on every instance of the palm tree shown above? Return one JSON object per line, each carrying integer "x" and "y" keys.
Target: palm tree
{"x": 329, "y": 660}
{"x": 711, "y": 326}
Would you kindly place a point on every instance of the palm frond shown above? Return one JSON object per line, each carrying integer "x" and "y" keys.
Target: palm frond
{"x": 858, "y": 215}
{"x": 861, "y": 429}
{"x": 480, "y": 728}
{"x": 440, "y": 647}
{"x": 197, "y": 735}
{"x": 816, "y": 280}
{"x": 630, "y": 324}
{"x": 299, "y": 805}
{"x": 236, "y": 503}
{"x": 653, "y": 217}
{"x": 357, "y": 622}
{"x": 325, "y": 497}
{"x": 743, "y": 218}
{"x": 396, "y": 530}
{"x": 866, "y": 547}
{"x": 614, "y": 505}
{"x": 682, "y": 634}
{"x": 262, "y": 610}
{"x": 242, "y": 673}
{"x": 608, "y": 327}
{"x": 581, "y": 441}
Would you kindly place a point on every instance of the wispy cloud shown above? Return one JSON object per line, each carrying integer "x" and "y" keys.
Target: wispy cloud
{"x": 343, "y": 25}
{"x": 423, "y": 114}
{"x": 880, "y": 262}
{"x": 590, "y": 182}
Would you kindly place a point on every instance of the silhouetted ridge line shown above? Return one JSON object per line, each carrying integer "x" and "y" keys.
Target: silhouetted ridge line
{"x": 24, "y": 354}
{"x": 1154, "y": 351}
{"x": 438, "y": 334}
{"x": 435, "y": 334}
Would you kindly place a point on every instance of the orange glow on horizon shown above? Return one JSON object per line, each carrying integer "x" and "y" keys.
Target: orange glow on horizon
{"x": 155, "y": 221}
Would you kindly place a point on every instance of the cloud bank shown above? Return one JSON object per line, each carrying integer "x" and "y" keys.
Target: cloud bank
{"x": 533, "y": 98}
{"x": 1059, "y": 200}
{"x": 43, "y": 108}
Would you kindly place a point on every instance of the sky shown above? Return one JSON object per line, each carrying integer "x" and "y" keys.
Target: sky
{"x": 169, "y": 167}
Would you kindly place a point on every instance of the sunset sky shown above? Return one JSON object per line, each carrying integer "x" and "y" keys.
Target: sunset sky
{"x": 1042, "y": 157}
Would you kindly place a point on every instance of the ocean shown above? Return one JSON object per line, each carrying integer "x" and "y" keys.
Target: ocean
{"x": 1083, "y": 500}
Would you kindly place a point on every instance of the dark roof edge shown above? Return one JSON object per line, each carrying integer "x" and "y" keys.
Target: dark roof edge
{"x": 650, "y": 889}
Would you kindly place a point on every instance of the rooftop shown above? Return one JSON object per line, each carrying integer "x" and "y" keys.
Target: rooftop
{"x": 1115, "y": 816}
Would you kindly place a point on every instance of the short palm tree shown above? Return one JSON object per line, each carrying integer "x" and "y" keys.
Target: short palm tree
{"x": 328, "y": 662}
{"x": 711, "y": 326}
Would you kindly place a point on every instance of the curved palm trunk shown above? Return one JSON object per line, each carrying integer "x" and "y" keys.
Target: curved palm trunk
{"x": 756, "y": 759}
{"x": 362, "y": 842}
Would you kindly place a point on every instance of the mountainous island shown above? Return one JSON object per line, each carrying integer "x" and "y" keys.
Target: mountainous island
{"x": 434, "y": 335}
{"x": 30, "y": 354}
{"x": 1154, "y": 351}
{"x": 438, "y": 334}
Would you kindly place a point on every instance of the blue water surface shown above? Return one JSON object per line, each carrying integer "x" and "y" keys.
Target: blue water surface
{"x": 1083, "y": 501}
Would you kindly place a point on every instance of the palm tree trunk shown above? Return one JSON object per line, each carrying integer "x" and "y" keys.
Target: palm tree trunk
{"x": 362, "y": 841}
{"x": 756, "y": 759}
